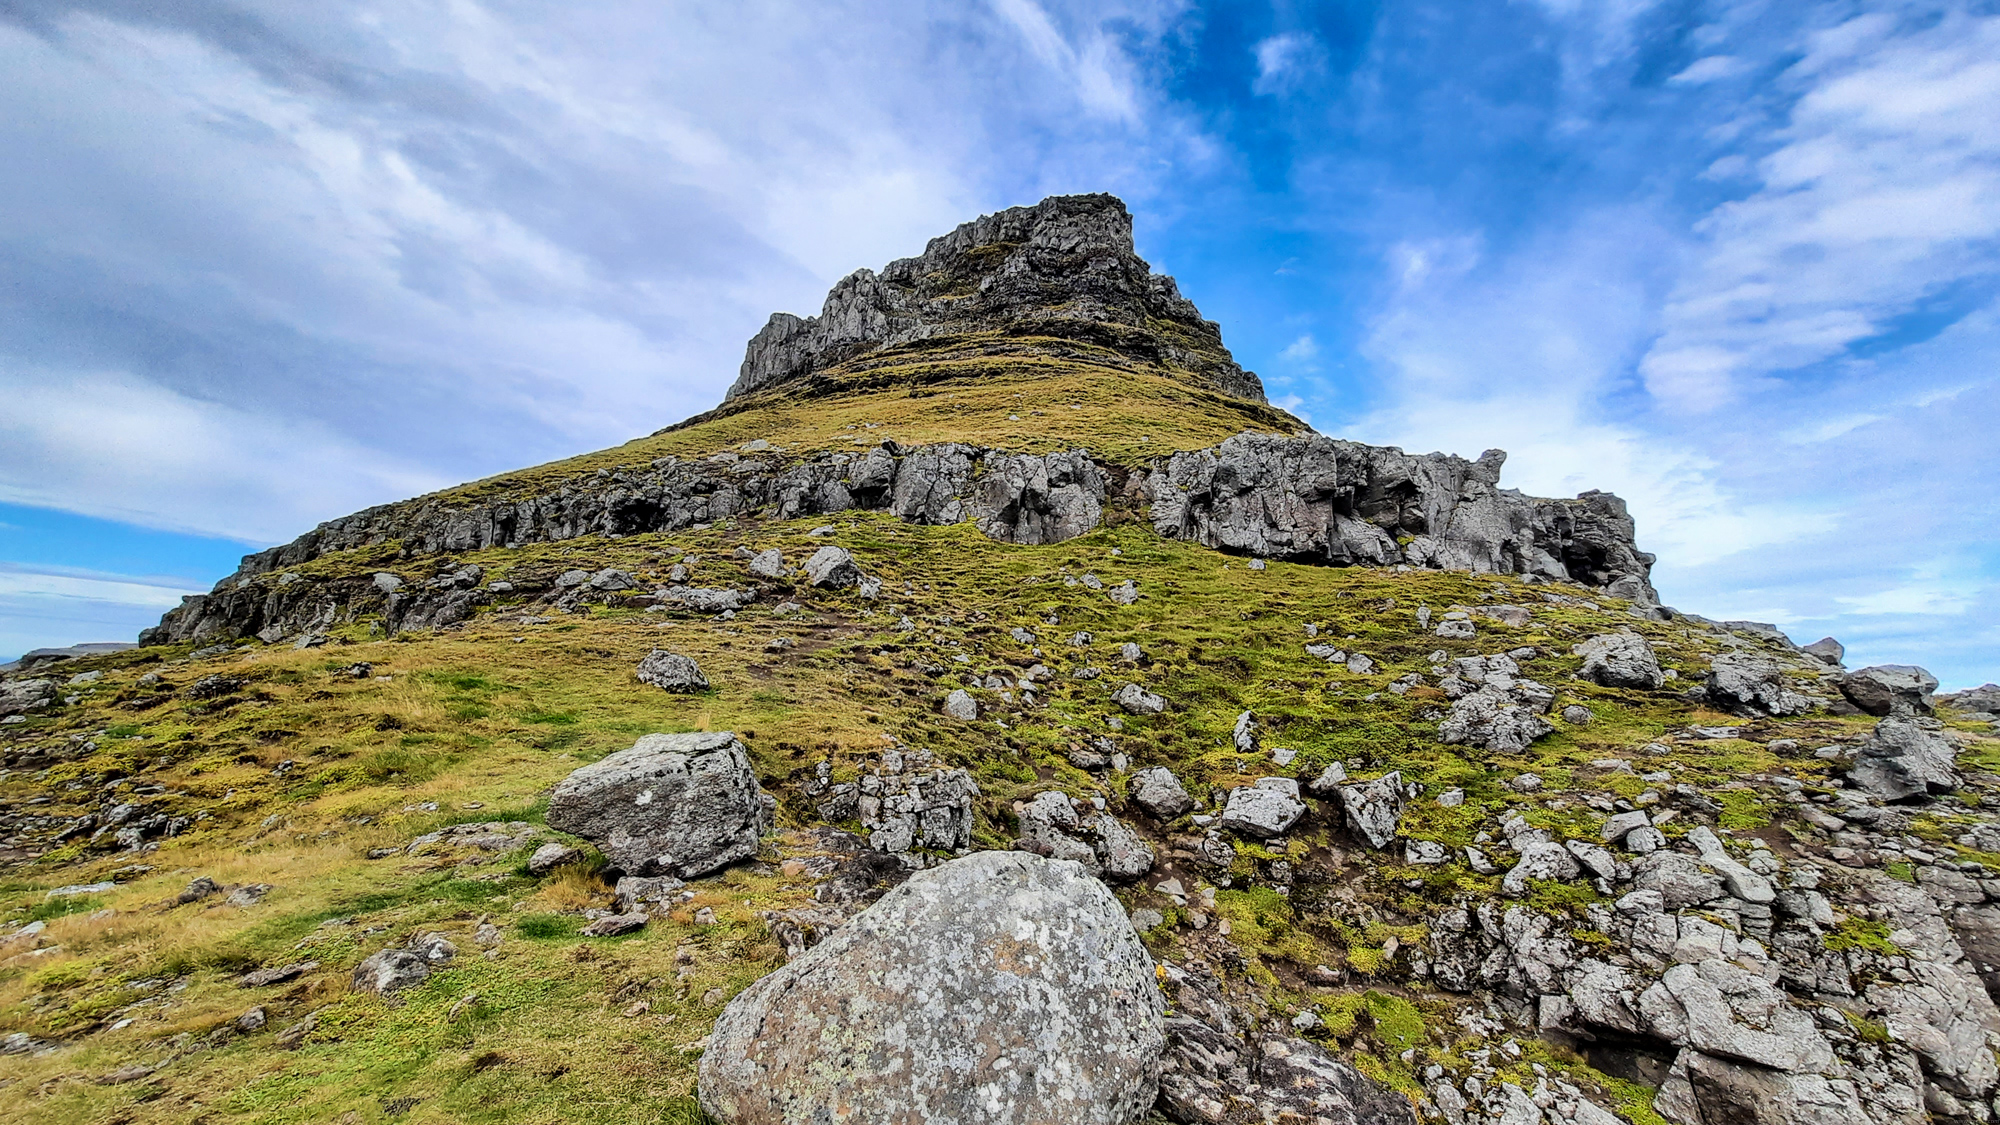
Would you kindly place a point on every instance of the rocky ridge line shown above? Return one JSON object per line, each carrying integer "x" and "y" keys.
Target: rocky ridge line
{"x": 1306, "y": 499}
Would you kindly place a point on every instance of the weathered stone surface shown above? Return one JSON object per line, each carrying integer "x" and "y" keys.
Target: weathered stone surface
{"x": 906, "y": 805}
{"x": 998, "y": 988}
{"x": 1900, "y": 759}
{"x": 1317, "y": 499}
{"x": 1374, "y": 809}
{"x": 1160, "y": 793}
{"x": 390, "y": 971}
{"x": 21, "y": 696}
{"x": 1219, "y": 1069}
{"x": 1063, "y": 268}
{"x": 833, "y": 568}
{"x": 1746, "y": 683}
{"x": 552, "y": 855}
{"x": 1622, "y": 660}
{"x": 1539, "y": 860}
{"x": 673, "y": 672}
{"x": 961, "y": 706}
{"x": 1826, "y": 649}
{"x": 1267, "y": 808}
{"x": 1138, "y": 700}
{"x": 768, "y": 564}
{"x": 1890, "y": 689}
{"x": 671, "y": 804}
{"x": 1495, "y": 719}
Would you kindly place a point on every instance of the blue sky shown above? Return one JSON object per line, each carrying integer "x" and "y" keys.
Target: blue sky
{"x": 263, "y": 264}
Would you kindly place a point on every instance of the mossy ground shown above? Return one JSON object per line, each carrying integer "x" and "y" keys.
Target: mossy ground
{"x": 480, "y": 720}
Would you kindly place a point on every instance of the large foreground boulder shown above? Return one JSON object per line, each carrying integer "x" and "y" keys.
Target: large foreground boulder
{"x": 671, "y": 804}
{"x": 998, "y": 988}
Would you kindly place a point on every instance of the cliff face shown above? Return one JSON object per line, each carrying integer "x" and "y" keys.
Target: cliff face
{"x": 1062, "y": 269}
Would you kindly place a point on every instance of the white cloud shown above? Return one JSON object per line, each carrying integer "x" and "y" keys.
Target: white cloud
{"x": 1284, "y": 59}
{"x": 1713, "y": 68}
{"x": 1301, "y": 350}
{"x": 1882, "y": 191}
{"x": 115, "y": 447}
{"x": 156, "y": 594}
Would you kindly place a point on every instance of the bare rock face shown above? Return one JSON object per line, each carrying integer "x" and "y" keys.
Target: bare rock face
{"x": 1316, "y": 499}
{"x": 996, "y": 989}
{"x": 1061, "y": 269}
{"x": 1160, "y": 793}
{"x": 672, "y": 804}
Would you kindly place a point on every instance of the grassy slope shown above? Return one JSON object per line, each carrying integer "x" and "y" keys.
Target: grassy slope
{"x": 497, "y": 711}
{"x": 1122, "y": 416}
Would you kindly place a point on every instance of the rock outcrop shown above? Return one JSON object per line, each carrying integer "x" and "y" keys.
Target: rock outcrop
{"x": 1318, "y": 499}
{"x": 998, "y": 988}
{"x": 670, "y": 804}
{"x": 1013, "y": 282}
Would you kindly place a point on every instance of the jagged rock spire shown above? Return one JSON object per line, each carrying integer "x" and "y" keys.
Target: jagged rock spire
{"x": 1062, "y": 269}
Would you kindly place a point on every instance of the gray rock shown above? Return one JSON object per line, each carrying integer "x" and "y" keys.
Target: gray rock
{"x": 1160, "y": 793}
{"x": 1827, "y": 650}
{"x": 1245, "y": 734}
{"x": 1598, "y": 862}
{"x": 572, "y": 578}
{"x": 918, "y": 808}
{"x": 1220, "y": 1067}
{"x": 671, "y": 804}
{"x": 698, "y": 599}
{"x": 833, "y": 568}
{"x": 1900, "y": 759}
{"x": 1312, "y": 498}
{"x": 1678, "y": 879}
{"x": 1122, "y": 853}
{"x": 552, "y": 855}
{"x": 1426, "y": 852}
{"x": 1577, "y": 715}
{"x": 252, "y": 1020}
{"x": 17, "y": 697}
{"x": 391, "y": 971}
{"x": 1130, "y": 653}
{"x": 1329, "y": 780}
{"x": 961, "y": 706}
{"x": 1701, "y": 1088}
{"x": 1138, "y": 701}
{"x": 610, "y": 580}
{"x": 386, "y": 583}
{"x": 1618, "y": 825}
{"x": 1539, "y": 860}
{"x": 997, "y": 956}
{"x": 1374, "y": 809}
{"x": 1621, "y": 660}
{"x": 1460, "y": 630}
{"x": 1267, "y": 808}
{"x": 1728, "y": 1012}
{"x": 1746, "y": 683}
{"x": 1890, "y": 689}
{"x": 612, "y": 925}
{"x": 768, "y": 564}
{"x": 1125, "y": 593}
{"x": 1736, "y": 878}
{"x": 672, "y": 672}
{"x": 1492, "y": 719}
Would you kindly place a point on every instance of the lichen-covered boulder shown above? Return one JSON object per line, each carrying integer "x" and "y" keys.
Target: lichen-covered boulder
{"x": 1622, "y": 660}
{"x": 670, "y": 671}
{"x": 996, "y": 989}
{"x": 671, "y": 804}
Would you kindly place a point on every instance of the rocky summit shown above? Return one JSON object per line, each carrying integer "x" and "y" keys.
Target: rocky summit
{"x": 992, "y": 711}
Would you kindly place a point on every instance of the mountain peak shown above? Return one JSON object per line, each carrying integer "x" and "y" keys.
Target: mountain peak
{"x": 1026, "y": 281}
